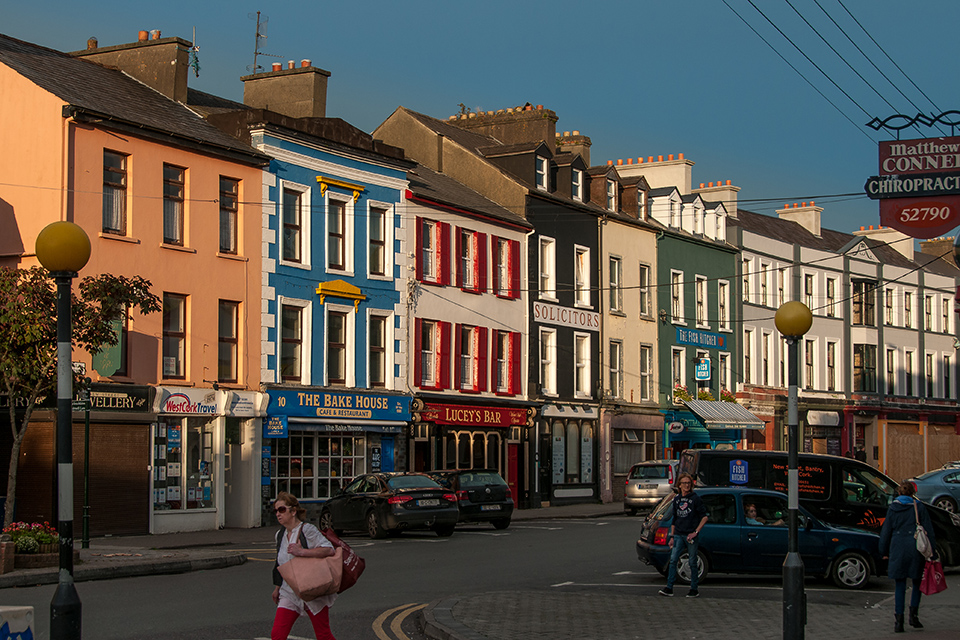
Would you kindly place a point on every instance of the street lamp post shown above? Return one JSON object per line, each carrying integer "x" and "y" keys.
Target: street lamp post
{"x": 64, "y": 248}
{"x": 793, "y": 320}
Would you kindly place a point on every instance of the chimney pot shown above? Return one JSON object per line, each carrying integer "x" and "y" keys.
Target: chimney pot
{"x": 306, "y": 62}
{"x": 575, "y": 132}
{"x": 620, "y": 162}
{"x": 452, "y": 118}
{"x": 539, "y": 107}
{"x": 91, "y": 43}
{"x": 811, "y": 202}
{"x": 277, "y": 66}
{"x": 659, "y": 158}
{"x": 701, "y": 185}
{"x": 649, "y": 158}
{"x": 871, "y": 227}
{"x": 155, "y": 34}
{"x": 290, "y": 64}
{"x": 670, "y": 157}
{"x": 142, "y": 36}
{"x": 862, "y": 228}
{"x": 609, "y": 163}
{"x": 803, "y": 204}
{"x": 472, "y": 114}
{"x": 794, "y": 205}
{"x": 566, "y": 133}
{"x": 640, "y": 160}
{"x": 528, "y": 108}
{"x": 681, "y": 156}
{"x": 728, "y": 184}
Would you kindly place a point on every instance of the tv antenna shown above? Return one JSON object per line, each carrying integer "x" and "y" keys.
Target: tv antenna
{"x": 261, "y": 35}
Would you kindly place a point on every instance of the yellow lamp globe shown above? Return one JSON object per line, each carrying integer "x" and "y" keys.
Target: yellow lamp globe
{"x": 63, "y": 246}
{"x": 793, "y": 319}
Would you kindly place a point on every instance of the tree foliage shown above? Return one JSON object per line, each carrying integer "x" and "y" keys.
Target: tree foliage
{"x": 28, "y": 337}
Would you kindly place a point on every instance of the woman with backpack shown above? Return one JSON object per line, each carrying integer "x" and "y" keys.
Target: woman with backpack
{"x": 298, "y": 539}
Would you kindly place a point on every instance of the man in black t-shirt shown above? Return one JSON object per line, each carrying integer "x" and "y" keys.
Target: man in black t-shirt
{"x": 689, "y": 516}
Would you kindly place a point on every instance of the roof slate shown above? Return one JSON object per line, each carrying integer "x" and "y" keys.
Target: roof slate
{"x": 111, "y": 93}
{"x": 429, "y": 184}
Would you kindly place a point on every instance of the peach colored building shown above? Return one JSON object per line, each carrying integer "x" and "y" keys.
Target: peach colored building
{"x": 164, "y": 195}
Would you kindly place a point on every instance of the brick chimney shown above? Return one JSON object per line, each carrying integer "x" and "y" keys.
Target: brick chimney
{"x": 672, "y": 171}
{"x": 806, "y": 215}
{"x": 720, "y": 192}
{"x": 513, "y": 126}
{"x": 298, "y": 92}
{"x": 160, "y": 63}
{"x": 574, "y": 143}
{"x": 940, "y": 247}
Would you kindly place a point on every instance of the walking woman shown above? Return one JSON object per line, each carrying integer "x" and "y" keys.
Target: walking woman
{"x": 897, "y": 543}
{"x": 298, "y": 538}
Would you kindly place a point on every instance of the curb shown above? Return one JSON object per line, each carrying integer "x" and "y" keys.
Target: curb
{"x": 437, "y": 622}
{"x": 148, "y": 568}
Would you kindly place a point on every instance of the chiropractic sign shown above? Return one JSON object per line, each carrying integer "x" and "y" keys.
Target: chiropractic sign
{"x": 918, "y": 186}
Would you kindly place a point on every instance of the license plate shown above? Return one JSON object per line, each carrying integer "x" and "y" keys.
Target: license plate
{"x": 646, "y": 486}
{"x": 429, "y": 502}
{"x": 490, "y": 507}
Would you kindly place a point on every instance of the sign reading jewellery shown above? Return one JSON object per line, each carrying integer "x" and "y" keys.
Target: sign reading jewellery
{"x": 336, "y": 405}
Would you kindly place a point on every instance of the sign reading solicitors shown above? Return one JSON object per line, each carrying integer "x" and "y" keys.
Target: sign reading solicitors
{"x": 918, "y": 186}
{"x": 338, "y": 406}
{"x": 566, "y": 317}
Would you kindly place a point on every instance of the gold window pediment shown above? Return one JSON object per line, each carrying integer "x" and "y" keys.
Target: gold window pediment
{"x": 340, "y": 289}
{"x": 332, "y": 182}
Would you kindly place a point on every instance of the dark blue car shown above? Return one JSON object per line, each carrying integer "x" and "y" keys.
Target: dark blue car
{"x": 732, "y": 543}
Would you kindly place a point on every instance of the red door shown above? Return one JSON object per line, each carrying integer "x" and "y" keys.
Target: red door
{"x": 513, "y": 470}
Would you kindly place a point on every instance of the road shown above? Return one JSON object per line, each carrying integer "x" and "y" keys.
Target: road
{"x": 590, "y": 556}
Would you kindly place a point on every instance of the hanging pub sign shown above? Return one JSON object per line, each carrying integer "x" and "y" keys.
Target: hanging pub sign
{"x": 918, "y": 186}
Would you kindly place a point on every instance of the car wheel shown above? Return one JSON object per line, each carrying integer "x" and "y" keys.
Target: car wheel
{"x": 444, "y": 531}
{"x": 503, "y": 523}
{"x": 850, "y": 571}
{"x": 326, "y": 520}
{"x": 946, "y": 503}
{"x": 683, "y": 567}
{"x": 631, "y": 512}
{"x": 374, "y": 530}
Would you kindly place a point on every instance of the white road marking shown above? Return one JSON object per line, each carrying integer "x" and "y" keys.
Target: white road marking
{"x": 540, "y": 528}
{"x": 562, "y": 584}
{"x": 713, "y": 586}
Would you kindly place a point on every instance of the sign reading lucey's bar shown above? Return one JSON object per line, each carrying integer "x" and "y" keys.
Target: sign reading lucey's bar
{"x": 458, "y": 414}
{"x": 918, "y": 186}
{"x": 566, "y": 317}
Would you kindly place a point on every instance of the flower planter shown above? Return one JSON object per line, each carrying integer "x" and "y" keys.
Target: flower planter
{"x": 40, "y": 560}
{"x": 52, "y": 547}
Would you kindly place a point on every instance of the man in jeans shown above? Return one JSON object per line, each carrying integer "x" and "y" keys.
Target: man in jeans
{"x": 689, "y": 516}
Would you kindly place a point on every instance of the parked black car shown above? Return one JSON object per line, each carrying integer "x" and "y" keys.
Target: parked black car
{"x": 731, "y": 544}
{"x": 483, "y": 495}
{"x": 842, "y": 491}
{"x": 382, "y": 503}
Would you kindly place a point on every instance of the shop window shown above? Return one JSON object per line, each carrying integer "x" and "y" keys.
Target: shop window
{"x": 315, "y": 465}
{"x": 634, "y": 445}
{"x": 183, "y": 465}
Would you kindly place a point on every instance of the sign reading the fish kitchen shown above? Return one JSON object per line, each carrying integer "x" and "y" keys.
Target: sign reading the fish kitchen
{"x": 918, "y": 186}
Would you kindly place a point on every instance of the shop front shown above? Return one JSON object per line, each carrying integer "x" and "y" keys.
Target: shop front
{"x": 568, "y": 454}
{"x": 637, "y": 437}
{"x": 315, "y": 441}
{"x": 707, "y": 424}
{"x": 474, "y": 436}
{"x": 822, "y": 432}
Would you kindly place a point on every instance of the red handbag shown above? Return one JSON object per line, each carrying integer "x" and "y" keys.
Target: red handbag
{"x": 353, "y": 565}
{"x": 933, "y": 580}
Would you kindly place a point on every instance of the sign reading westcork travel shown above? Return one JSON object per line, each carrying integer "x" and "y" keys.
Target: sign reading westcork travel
{"x": 918, "y": 186}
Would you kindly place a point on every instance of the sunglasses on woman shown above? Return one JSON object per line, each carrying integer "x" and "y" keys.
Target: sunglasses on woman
{"x": 282, "y": 509}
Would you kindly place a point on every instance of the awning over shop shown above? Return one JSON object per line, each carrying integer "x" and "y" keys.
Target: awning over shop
{"x": 716, "y": 414}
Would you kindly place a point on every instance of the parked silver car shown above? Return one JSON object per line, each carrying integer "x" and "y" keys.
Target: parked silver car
{"x": 941, "y": 488}
{"x": 647, "y": 483}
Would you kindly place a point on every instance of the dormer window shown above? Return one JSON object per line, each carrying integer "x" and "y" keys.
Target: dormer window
{"x": 542, "y": 168}
{"x": 611, "y": 195}
{"x": 576, "y": 185}
{"x": 641, "y": 204}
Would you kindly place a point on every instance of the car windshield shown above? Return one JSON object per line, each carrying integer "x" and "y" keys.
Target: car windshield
{"x": 480, "y": 479}
{"x": 412, "y": 482}
{"x": 650, "y": 472}
{"x": 865, "y": 485}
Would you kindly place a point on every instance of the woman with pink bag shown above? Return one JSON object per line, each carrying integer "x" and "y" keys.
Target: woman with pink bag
{"x": 898, "y": 542}
{"x": 298, "y": 539}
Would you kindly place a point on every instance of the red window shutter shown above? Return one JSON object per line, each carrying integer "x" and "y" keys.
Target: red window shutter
{"x": 482, "y": 359}
{"x": 515, "y": 363}
{"x": 417, "y": 353}
{"x": 514, "y": 269}
{"x": 481, "y": 263}
{"x": 443, "y": 242}
{"x": 495, "y": 262}
{"x": 458, "y": 251}
{"x": 457, "y": 354}
{"x": 419, "y": 253}
{"x": 443, "y": 350}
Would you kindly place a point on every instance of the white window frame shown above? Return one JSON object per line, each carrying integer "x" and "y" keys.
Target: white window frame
{"x": 909, "y": 374}
{"x": 678, "y": 367}
{"x": 611, "y": 195}
{"x": 764, "y": 288}
{"x": 434, "y": 354}
{"x": 646, "y": 372}
{"x": 615, "y": 368}
{"x": 548, "y": 366}
{"x": 908, "y": 309}
{"x": 468, "y": 259}
{"x": 834, "y": 347}
{"x": 723, "y": 304}
{"x": 815, "y": 348}
{"x": 810, "y": 297}
{"x": 616, "y": 283}
{"x": 576, "y": 185}
{"x": 676, "y": 297}
{"x": 702, "y": 313}
{"x": 388, "y": 348}
{"x": 581, "y": 364}
{"x": 831, "y": 297}
{"x": 348, "y": 233}
{"x": 748, "y": 359}
{"x": 766, "y": 357}
{"x": 306, "y": 220}
{"x": 581, "y": 276}
{"x": 542, "y": 169}
{"x": 645, "y": 289}
{"x": 501, "y": 382}
{"x": 723, "y": 372}
{"x": 350, "y": 359}
{"x": 389, "y": 215}
{"x": 306, "y": 346}
{"x": 548, "y": 268}
{"x": 745, "y": 277}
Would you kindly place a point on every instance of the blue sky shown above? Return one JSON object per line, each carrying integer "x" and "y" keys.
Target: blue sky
{"x": 639, "y": 77}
